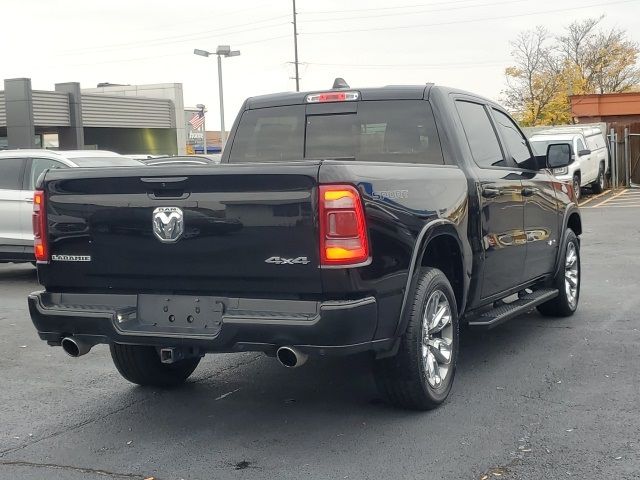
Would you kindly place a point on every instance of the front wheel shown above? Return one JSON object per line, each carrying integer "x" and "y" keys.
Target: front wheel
{"x": 576, "y": 187}
{"x": 420, "y": 375}
{"x": 567, "y": 281}
{"x": 141, "y": 364}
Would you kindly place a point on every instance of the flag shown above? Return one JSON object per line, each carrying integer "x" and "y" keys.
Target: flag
{"x": 197, "y": 120}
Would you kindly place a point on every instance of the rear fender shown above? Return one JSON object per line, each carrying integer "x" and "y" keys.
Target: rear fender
{"x": 430, "y": 231}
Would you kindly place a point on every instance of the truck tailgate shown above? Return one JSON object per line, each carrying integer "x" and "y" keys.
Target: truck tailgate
{"x": 246, "y": 229}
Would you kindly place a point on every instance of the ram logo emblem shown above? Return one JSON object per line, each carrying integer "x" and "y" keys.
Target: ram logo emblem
{"x": 168, "y": 224}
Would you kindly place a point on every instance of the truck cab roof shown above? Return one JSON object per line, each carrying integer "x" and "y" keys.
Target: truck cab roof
{"x": 388, "y": 92}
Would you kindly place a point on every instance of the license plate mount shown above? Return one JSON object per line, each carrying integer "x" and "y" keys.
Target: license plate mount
{"x": 179, "y": 313}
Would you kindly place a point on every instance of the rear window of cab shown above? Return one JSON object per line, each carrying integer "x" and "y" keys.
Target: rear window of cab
{"x": 398, "y": 131}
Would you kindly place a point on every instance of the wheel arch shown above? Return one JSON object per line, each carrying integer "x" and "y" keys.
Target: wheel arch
{"x": 574, "y": 222}
{"x": 578, "y": 173}
{"x": 439, "y": 246}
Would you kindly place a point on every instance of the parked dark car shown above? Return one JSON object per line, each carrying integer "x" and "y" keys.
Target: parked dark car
{"x": 351, "y": 220}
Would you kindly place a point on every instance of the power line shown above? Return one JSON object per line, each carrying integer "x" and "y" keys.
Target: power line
{"x": 473, "y": 20}
{"x": 439, "y": 9}
{"x": 262, "y": 40}
{"x": 153, "y": 57}
{"x": 395, "y": 7}
{"x": 397, "y": 65}
{"x": 183, "y": 37}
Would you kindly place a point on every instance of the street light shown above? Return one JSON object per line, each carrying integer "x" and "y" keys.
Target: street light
{"x": 203, "y": 109}
{"x": 221, "y": 51}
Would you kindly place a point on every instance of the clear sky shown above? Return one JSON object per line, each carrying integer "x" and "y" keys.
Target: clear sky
{"x": 461, "y": 43}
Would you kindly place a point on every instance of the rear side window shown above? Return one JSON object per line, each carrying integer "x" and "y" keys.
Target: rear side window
{"x": 595, "y": 142}
{"x": 11, "y": 173}
{"x": 383, "y": 131}
{"x": 481, "y": 136}
{"x": 39, "y": 165}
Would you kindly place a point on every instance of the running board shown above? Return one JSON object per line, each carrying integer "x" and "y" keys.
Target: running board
{"x": 507, "y": 311}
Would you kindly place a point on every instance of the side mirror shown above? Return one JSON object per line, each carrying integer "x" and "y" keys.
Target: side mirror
{"x": 584, "y": 152}
{"x": 558, "y": 155}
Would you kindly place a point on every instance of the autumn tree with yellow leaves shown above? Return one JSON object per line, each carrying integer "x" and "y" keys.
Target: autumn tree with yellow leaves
{"x": 548, "y": 69}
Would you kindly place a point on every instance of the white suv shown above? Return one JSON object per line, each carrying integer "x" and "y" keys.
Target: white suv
{"x": 589, "y": 152}
{"x": 19, "y": 171}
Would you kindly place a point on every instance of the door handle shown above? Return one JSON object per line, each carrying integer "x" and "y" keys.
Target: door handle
{"x": 529, "y": 191}
{"x": 490, "y": 192}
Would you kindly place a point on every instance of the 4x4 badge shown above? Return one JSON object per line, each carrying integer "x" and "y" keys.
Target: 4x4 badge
{"x": 288, "y": 261}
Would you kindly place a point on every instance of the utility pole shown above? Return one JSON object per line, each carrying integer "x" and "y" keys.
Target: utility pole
{"x": 295, "y": 45}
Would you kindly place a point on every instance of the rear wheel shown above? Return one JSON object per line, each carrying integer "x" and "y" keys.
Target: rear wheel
{"x": 567, "y": 281}
{"x": 420, "y": 375}
{"x": 141, "y": 364}
{"x": 598, "y": 185}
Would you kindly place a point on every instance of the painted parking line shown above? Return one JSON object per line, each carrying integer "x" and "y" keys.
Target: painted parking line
{"x": 591, "y": 199}
{"x": 623, "y": 198}
{"x": 622, "y": 192}
{"x": 614, "y": 205}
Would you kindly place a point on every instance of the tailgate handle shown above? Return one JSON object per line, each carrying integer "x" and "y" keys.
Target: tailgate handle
{"x": 163, "y": 181}
{"x": 168, "y": 194}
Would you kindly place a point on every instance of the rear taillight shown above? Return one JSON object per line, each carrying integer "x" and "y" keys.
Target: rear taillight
{"x": 343, "y": 229}
{"x": 39, "y": 219}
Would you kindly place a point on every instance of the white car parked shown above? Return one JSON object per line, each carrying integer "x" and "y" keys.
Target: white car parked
{"x": 19, "y": 171}
{"x": 589, "y": 152}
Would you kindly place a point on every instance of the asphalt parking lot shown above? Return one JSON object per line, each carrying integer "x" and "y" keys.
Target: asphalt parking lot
{"x": 535, "y": 398}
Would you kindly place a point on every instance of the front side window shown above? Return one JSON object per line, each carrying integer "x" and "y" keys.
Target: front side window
{"x": 384, "y": 131}
{"x": 481, "y": 136}
{"x": 514, "y": 139}
{"x": 581, "y": 145}
{"x": 11, "y": 173}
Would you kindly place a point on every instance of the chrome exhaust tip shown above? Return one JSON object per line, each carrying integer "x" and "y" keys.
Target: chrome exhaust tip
{"x": 75, "y": 348}
{"x": 291, "y": 357}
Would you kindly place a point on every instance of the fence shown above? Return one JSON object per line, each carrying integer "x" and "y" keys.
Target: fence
{"x": 624, "y": 145}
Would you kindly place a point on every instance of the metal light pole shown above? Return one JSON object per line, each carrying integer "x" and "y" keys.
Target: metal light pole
{"x": 221, "y": 51}
{"x": 204, "y": 128}
{"x": 223, "y": 132}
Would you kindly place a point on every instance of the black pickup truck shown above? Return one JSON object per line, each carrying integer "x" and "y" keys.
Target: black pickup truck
{"x": 375, "y": 220}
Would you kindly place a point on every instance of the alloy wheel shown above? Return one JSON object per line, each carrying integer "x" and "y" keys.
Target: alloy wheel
{"x": 571, "y": 274}
{"x": 437, "y": 339}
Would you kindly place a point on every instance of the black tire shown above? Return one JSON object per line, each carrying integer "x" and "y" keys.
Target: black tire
{"x": 140, "y": 364}
{"x": 599, "y": 184}
{"x": 576, "y": 187}
{"x": 402, "y": 379}
{"x": 562, "y": 306}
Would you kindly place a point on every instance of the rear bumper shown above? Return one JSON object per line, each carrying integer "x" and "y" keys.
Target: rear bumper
{"x": 16, "y": 253}
{"x": 322, "y": 328}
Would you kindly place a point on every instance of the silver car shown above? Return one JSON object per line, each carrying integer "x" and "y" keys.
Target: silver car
{"x": 19, "y": 171}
